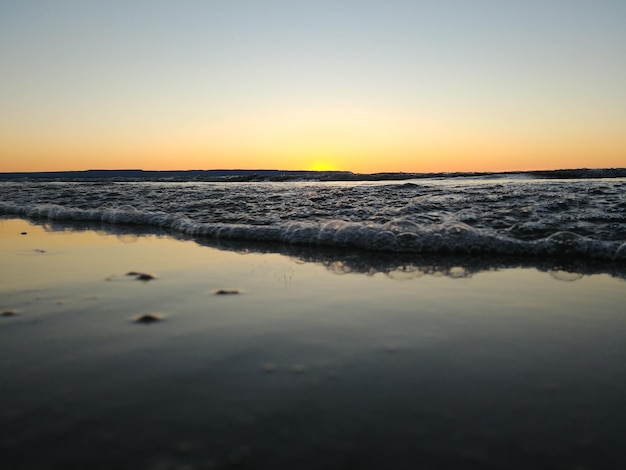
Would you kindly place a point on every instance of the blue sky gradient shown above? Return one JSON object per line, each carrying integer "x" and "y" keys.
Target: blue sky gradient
{"x": 359, "y": 85}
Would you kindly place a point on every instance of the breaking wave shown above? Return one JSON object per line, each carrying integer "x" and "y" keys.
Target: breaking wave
{"x": 582, "y": 219}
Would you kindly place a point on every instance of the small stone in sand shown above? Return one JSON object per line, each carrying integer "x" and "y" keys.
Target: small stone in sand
{"x": 39, "y": 250}
{"x": 269, "y": 368}
{"x": 147, "y": 318}
{"x": 141, "y": 276}
{"x": 24, "y": 233}
{"x": 8, "y": 313}
{"x": 227, "y": 292}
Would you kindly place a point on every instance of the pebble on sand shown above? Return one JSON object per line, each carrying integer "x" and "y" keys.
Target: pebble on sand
{"x": 141, "y": 276}
{"x": 227, "y": 292}
{"x": 8, "y": 313}
{"x": 268, "y": 368}
{"x": 147, "y": 318}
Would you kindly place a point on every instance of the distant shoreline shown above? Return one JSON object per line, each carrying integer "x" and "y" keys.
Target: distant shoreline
{"x": 298, "y": 175}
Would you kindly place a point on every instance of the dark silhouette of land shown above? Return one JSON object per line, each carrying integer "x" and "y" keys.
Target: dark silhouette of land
{"x": 297, "y": 175}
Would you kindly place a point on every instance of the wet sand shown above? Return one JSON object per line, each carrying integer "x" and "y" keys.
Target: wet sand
{"x": 213, "y": 358}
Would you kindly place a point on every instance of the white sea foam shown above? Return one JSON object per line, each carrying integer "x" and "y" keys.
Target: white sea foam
{"x": 517, "y": 217}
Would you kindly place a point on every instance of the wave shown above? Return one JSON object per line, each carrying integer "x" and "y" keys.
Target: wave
{"x": 399, "y": 235}
{"x": 397, "y": 266}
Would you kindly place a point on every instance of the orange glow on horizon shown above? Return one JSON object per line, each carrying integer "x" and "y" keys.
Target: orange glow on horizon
{"x": 322, "y": 139}
{"x": 501, "y": 156}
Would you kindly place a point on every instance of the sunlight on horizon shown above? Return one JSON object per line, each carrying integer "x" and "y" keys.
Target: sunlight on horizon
{"x": 388, "y": 86}
{"x": 322, "y": 165}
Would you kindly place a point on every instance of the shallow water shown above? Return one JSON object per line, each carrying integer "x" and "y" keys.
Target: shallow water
{"x": 310, "y": 365}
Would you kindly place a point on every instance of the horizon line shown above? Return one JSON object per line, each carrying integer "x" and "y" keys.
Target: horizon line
{"x": 277, "y": 170}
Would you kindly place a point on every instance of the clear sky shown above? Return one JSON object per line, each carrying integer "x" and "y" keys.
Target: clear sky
{"x": 365, "y": 86}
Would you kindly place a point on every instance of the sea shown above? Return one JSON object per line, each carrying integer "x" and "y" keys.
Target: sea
{"x": 576, "y": 216}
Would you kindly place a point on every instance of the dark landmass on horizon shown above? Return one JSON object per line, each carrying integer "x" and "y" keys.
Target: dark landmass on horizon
{"x": 295, "y": 175}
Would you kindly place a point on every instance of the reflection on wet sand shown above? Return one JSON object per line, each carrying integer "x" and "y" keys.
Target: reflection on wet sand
{"x": 396, "y": 266}
{"x": 190, "y": 357}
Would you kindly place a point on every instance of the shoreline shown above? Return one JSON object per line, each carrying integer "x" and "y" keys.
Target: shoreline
{"x": 389, "y": 363}
{"x": 342, "y": 260}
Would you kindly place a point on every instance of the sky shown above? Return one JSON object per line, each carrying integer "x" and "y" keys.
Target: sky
{"x": 364, "y": 86}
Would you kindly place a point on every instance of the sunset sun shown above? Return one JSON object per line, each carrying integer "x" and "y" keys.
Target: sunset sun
{"x": 322, "y": 165}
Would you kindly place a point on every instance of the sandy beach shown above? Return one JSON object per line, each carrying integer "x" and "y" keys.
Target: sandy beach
{"x": 246, "y": 356}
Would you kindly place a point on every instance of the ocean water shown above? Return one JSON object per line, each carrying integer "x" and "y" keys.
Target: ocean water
{"x": 515, "y": 216}
{"x": 415, "y": 368}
